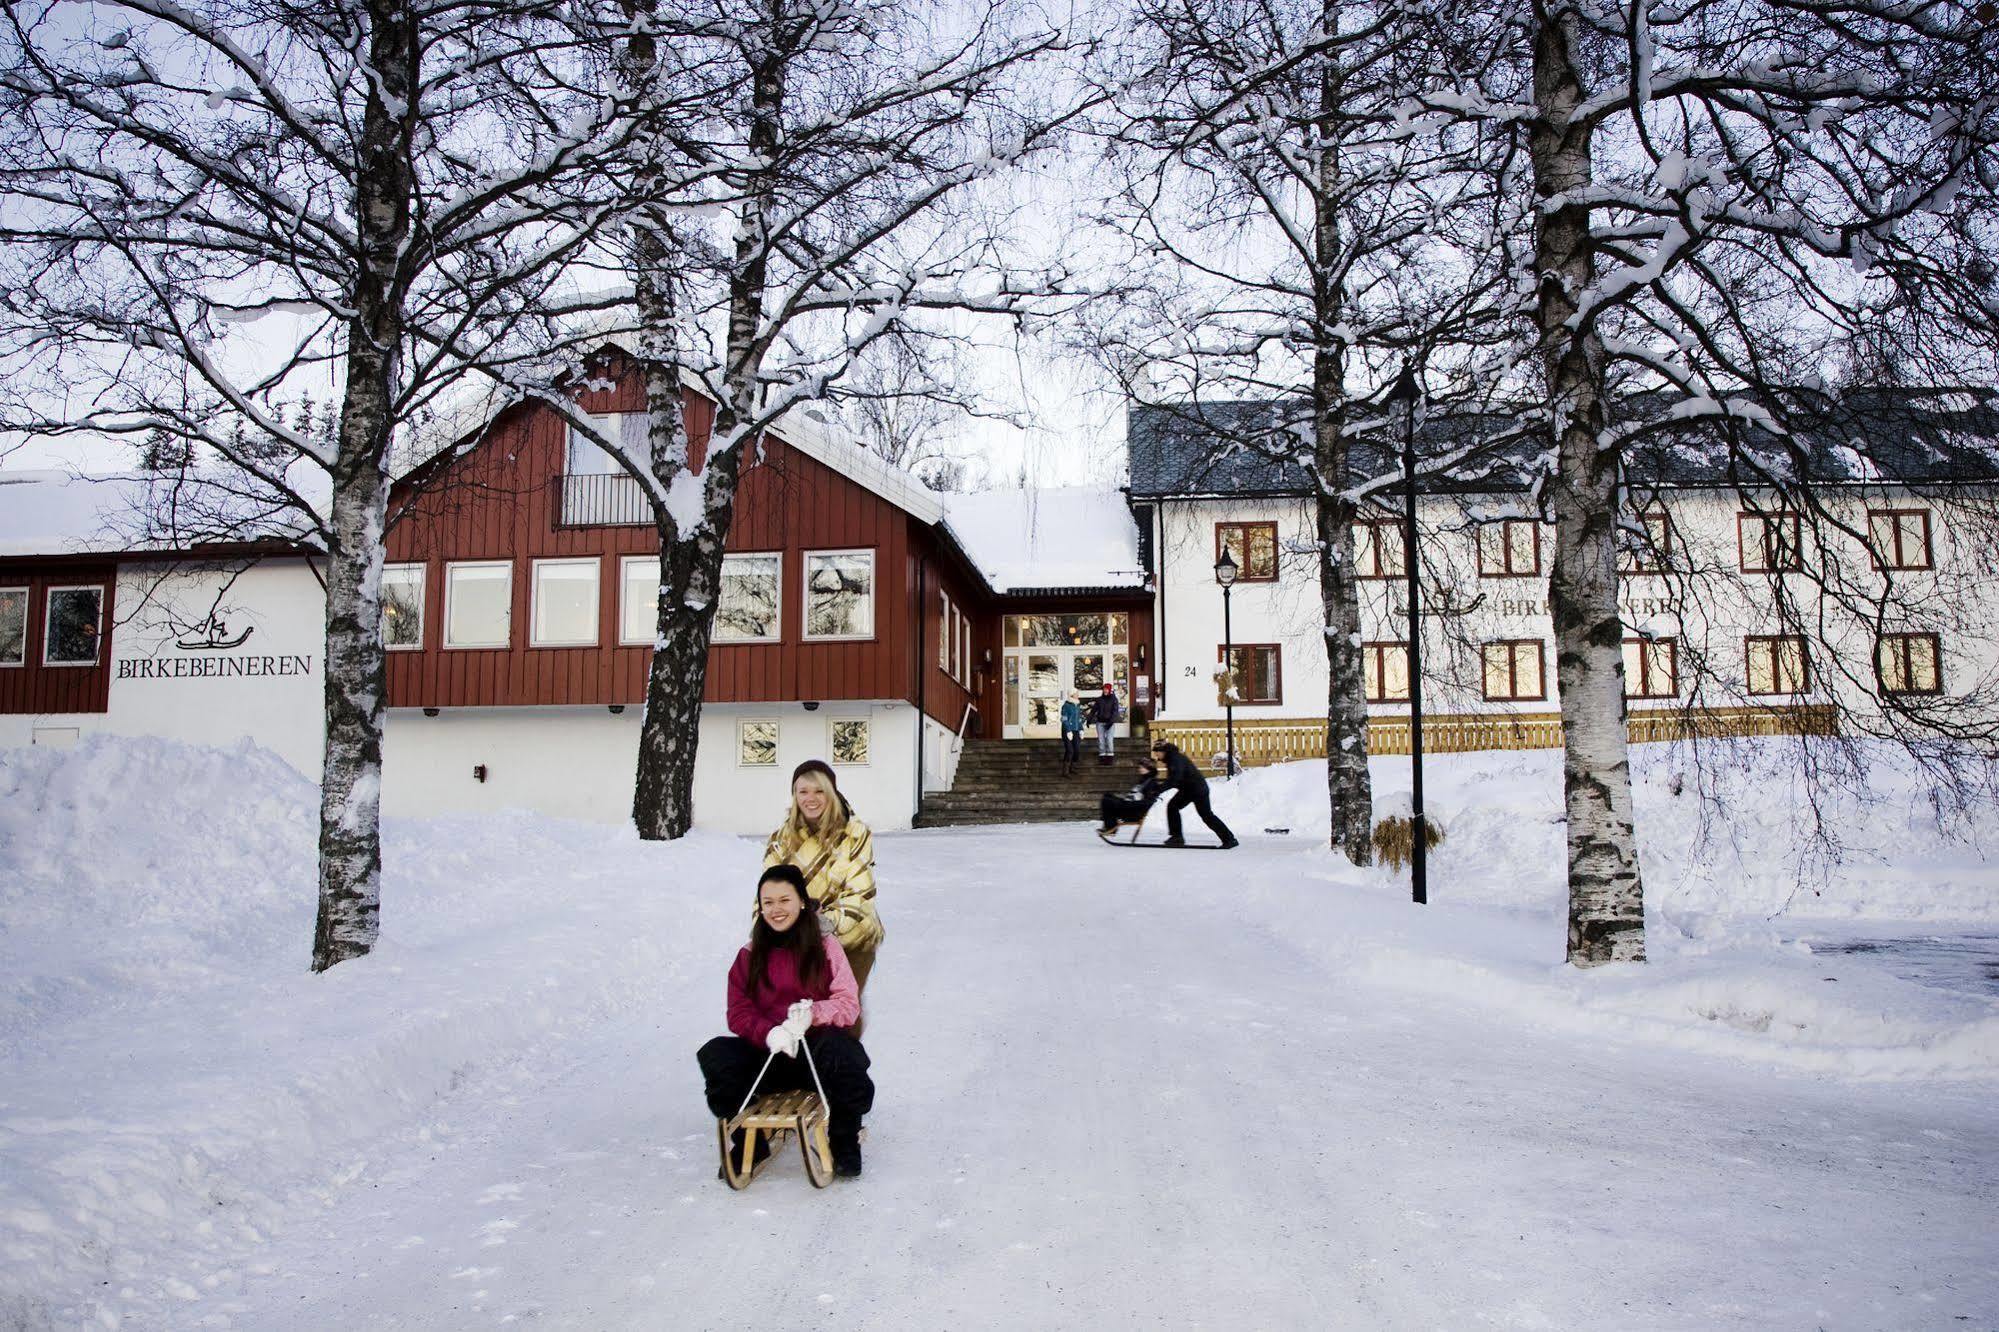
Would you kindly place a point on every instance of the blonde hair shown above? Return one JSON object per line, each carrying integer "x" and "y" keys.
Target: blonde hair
{"x": 791, "y": 834}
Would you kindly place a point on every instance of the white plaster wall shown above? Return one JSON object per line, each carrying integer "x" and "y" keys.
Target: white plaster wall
{"x": 1704, "y": 601}
{"x": 579, "y": 763}
{"x": 190, "y": 693}
{"x": 940, "y": 755}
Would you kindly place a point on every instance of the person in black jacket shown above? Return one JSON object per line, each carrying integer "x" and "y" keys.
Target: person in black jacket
{"x": 1190, "y": 788}
{"x": 1104, "y": 711}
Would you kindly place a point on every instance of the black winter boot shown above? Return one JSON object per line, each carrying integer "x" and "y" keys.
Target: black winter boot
{"x": 846, "y": 1153}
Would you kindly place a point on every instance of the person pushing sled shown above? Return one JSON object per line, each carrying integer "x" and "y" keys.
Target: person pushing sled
{"x": 1168, "y": 767}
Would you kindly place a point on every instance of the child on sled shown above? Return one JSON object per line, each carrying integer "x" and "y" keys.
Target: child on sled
{"x": 792, "y": 986}
{"x": 1119, "y": 809}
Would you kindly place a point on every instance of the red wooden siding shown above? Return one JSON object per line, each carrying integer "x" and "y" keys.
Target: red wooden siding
{"x": 32, "y": 688}
{"x": 944, "y": 698}
{"x": 500, "y": 502}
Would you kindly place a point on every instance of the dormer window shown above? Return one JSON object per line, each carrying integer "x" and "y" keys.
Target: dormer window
{"x": 585, "y": 458}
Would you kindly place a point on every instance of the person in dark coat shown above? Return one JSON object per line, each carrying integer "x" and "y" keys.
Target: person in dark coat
{"x": 1189, "y": 788}
{"x": 1131, "y": 806}
{"x": 1105, "y": 711}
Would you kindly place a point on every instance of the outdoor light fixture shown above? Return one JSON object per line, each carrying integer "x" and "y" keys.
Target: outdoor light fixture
{"x": 812, "y": 707}
{"x": 478, "y": 772}
{"x": 430, "y": 712}
{"x": 617, "y": 708}
{"x": 1225, "y": 574}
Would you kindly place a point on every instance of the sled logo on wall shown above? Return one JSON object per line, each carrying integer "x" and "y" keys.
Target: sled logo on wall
{"x": 212, "y": 635}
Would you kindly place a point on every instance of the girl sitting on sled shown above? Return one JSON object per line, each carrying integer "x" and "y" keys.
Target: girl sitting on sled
{"x": 792, "y": 985}
{"x": 1119, "y": 809}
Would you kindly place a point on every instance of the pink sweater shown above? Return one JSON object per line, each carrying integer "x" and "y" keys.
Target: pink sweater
{"x": 751, "y": 1016}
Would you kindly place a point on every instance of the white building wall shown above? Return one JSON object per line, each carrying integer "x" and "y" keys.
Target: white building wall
{"x": 579, "y": 762}
{"x": 1704, "y": 601}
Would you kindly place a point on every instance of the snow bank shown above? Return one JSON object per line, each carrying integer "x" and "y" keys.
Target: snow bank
{"x": 172, "y": 1077}
{"x": 1741, "y": 848}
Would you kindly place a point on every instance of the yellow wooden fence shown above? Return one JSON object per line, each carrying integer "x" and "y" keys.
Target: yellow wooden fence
{"x": 1259, "y": 742}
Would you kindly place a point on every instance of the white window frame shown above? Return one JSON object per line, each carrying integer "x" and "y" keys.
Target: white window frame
{"x": 451, "y": 593}
{"x": 596, "y": 567}
{"x": 957, "y": 631}
{"x": 625, "y": 563}
{"x": 27, "y": 606}
{"x": 832, "y": 724}
{"x": 49, "y": 624}
{"x": 805, "y": 590}
{"x": 422, "y": 609}
{"x": 965, "y": 635}
{"x": 776, "y": 634}
{"x": 777, "y": 741}
{"x": 944, "y": 631}
{"x": 613, "y": 424}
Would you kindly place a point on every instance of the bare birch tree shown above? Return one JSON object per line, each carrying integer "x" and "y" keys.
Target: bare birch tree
{"x": 212, "y": 208}
{"x": 1299, "y": 231}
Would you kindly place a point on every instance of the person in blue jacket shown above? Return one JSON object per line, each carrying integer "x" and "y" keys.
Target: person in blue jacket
{"x": 1072, "y": 734}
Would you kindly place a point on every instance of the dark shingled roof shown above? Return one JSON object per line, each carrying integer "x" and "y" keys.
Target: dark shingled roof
{"x": 1904, "y": 436}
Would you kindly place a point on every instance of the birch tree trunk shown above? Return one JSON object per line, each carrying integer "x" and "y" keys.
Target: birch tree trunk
{"x": 1606, "y": 898}
{"x": 350, "y": 835}
{"x": 1348, "y": 789}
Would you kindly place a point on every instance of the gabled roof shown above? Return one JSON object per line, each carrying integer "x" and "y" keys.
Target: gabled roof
{"x": 49, "y": 513}
{"x": 1067, "y": 540}
{"x": 1899, "y": 436}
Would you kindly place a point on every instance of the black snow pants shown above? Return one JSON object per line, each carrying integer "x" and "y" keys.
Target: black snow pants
{"x": 1117, "y": 809}
{"x": 730, "y": 1064}
{"x": 1198, "y": 798}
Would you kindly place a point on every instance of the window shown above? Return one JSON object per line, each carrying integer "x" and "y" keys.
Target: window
{"x": 955, "y": 632}
{"x": 478, "y": 605}
{"x": 1259, "y": 675}
{"x": 565, "y": 603}
{"x": 1652, "y": 552}
{"x": 750, "y": 605}
{"x": 944, "y": 632}
{"x": 965, "y": 634}
{"x": 1909, "y": 663}
{"x": 756, "y": 744}
{"x": 1509, "y": 548}
{"x": 13, "y": 626}
{"x": 1770, "y": 541}
{"x": 638, "y": 600}
{"x": 1378, "y": 548}
{"x": 1899, "y": 538}
{"x": 76, "y": 618}
{"x": 1777, "y": 665}
{"x": 849, "y": 742}
{"x": 1385, "y": 668}
{"x": 1513, "y": 671}
{"x": 586, "y": 459}
{"x": 840, "y": 594}
{"x": 1253, "y": 547}
{"x": 1651, "y": 668}
{"x": 402, "y": 607}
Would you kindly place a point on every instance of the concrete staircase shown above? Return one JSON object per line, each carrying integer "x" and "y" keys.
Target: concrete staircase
{"x": 1021, "y": 781}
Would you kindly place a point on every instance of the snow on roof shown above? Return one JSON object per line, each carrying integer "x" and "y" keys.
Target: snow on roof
{"x": 1068, "y": 537}
{"x": 68, "y": 513}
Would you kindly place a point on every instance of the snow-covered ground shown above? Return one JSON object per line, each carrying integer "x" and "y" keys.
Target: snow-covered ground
{"x": 1117, "y": 1088}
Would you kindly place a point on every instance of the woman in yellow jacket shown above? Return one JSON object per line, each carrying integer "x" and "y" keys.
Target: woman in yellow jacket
{"x": 836, "y": 853}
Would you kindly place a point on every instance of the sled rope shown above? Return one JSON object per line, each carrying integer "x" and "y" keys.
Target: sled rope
{"x": 817, "y": 1086}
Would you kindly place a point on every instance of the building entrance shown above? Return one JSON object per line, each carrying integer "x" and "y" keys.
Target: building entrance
{"x": 1050, "y": 656}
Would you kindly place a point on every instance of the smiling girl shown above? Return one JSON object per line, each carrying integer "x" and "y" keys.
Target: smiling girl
{"x": 836, "y": 854}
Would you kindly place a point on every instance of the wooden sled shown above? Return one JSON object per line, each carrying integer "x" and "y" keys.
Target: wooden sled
{"x": 776, "y": 1114}
{"x": 1110, "y": 838}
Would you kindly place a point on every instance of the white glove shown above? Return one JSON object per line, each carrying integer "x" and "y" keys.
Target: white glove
{"x": 782, "y": 1040}
{"x": 800, "y": 1016}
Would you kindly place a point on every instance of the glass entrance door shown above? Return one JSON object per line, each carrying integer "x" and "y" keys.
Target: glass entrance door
{"x": 1042, "y": 715}
{"x": 1050, "y": 656}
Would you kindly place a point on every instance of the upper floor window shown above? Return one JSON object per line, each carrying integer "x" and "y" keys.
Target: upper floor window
{"x": 1259, "y": 673}
{"x": 1385, "y": 671}
{"x": 1509, "y": 548}
{"x": 75, "y": 623}
{"x": 944, "y": 635}
{"x": 749, "y": 611}
{"x": 1652, "y": 552}
{"x": 585, "y": 457}
{"x": 1514, "y": 670}
{"x": 1909, "y": 663}
{"x": 13, "y": 626}
{"x": 1899, "y": 538}
{"x": 565, "y": 603}
{"x": 402, "y": 607}
{"x": 1777, "y": 665}
{"x": 1772, "y": 542}
{"x": 478, "y": 604}
{"x": 965, "y": 649}
{"x": 1651, "y": 668}
{"x": 1253, "y": 547}
{"x": 840, "y": 594}
{"x": 1378, "y": 548}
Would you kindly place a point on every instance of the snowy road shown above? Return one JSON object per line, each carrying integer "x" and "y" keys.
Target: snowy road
{"x": 1124, "y": 1089}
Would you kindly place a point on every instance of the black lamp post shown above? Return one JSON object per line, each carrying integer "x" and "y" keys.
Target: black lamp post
{"x": 1225, "y": 574}
{"x": 1407, "y": 390}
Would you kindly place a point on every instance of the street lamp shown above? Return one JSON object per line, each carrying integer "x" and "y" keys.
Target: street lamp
{"x": 1225, "y": 574}
{"x": 1407, "y": 390}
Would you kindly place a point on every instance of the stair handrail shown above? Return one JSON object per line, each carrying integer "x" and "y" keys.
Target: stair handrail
{"x": 958, "y": 740}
